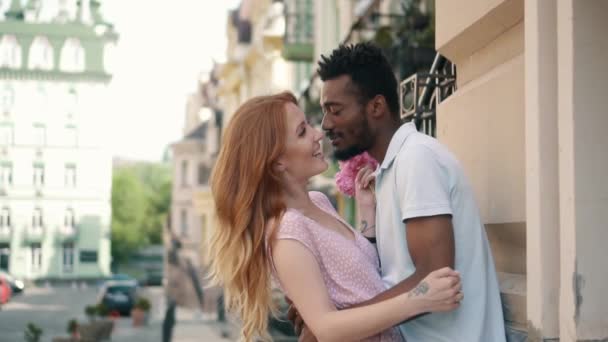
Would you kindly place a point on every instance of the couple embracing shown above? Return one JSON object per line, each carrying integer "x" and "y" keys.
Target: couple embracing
{"x": 426, "y": 275}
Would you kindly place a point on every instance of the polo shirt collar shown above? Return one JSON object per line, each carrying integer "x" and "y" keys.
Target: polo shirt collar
{"x": 395, "y": 145}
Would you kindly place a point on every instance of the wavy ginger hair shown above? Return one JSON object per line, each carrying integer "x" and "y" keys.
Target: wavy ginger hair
{"x": 247, "y": 194}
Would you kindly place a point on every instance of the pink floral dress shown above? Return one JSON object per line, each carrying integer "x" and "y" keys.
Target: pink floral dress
{"x": 350, "y": 269}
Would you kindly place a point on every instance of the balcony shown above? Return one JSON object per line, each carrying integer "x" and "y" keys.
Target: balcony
{"x": 66, "y": 234}
{"x": 34, "y": 234}
{"x": 298, "y": 44}
{"x": 6, "y": 233}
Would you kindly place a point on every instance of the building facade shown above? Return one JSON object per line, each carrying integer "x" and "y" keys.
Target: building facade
{"x": 528, "y": 122}
{"x": 193, "y": 158}
{"x": 55, "y": 177}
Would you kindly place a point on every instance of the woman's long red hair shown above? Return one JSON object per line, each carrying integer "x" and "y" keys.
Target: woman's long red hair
{"x": 247, "y": 194}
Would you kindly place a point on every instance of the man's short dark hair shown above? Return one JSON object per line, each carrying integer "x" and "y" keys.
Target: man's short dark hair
{"x": 368, "y": 68}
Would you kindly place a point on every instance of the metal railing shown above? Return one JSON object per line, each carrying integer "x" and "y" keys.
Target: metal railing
{"x": 421, "y": 93}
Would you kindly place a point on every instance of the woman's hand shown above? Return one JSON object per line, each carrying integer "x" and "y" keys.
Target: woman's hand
{"x": 439, "y": 291}
{"x": 364, "y": 188}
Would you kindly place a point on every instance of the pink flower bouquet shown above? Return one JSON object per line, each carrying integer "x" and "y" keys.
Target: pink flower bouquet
{"x": 345, "y": 178}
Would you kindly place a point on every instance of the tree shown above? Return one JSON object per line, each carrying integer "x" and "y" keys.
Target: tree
{"x": 141, "y": 197}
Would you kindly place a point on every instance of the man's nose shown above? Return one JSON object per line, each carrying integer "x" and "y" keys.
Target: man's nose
{"x": 326, "y": 123}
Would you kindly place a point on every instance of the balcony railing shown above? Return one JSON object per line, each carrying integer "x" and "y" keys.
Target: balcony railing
{"x": 421, "y": 93}
{"x": 34, "y": 234}
{"x": 66, "y": 233}
{"x": 6, "y": 233}
{"x": 298, "y": 44}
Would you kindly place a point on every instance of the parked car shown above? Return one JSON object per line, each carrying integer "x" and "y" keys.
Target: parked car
{"x": 5, "y": 291}
{"x": 117, "y": 277}
{"x": 118, "y": 295}
{"x": 17, "y": 285}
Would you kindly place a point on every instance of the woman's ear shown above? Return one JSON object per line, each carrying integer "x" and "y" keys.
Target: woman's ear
{"x": 279, "y": 166}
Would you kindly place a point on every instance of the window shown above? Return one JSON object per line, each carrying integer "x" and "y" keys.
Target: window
{"x": 70, "y": 136}
{"x": 184, "y": 222}
{"x": 36, "y": 256}
{"x": 88, "y": 256}
{"x": 204, "y": 228}
{"x": 72, "y": 103}
{"x": 5, "y": 219}
{"x": 70, "y": 220}
{"x": 68, "y": 257}
{"x": 185, "y": 173}
{"x": 72, "y": 56}
{"x": 70, "y": 176}
{"x": 203, "y": 174}
{"x": 8, "y": 98}
{"x": 10, "y": 52}
{"x": 41, "y": 54}
{"x": 6, "y": 175}
{"x": 6, "y": 134}
{"x": 37, "y": 220}
{"x": 39, "y": 135}
{"x": 38, "y": 175}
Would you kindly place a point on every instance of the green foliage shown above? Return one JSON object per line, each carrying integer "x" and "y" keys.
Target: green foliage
{"x": 102, "y": 310}
{"x": 32, "y": 333}
{"x": 72, "y": 326}
{"x": 141, "y": 197}
{"x": 143, "y": 303}
{"x": 90, "y": 311}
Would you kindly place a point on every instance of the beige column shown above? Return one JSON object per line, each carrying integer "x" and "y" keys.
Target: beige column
{"x": 583, "y": 167}
{"x": 542, "y": 195}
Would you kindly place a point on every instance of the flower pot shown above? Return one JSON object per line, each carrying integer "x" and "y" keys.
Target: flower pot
{"x": 139, "y": 317}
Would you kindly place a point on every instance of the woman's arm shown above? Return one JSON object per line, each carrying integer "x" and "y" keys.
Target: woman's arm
{"x": 306, "y": 289}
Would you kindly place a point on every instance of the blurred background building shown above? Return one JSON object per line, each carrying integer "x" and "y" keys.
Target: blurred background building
{"x": 55, "y": 179}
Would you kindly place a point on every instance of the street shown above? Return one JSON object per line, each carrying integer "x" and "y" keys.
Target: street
{"x": 52, "y": 308}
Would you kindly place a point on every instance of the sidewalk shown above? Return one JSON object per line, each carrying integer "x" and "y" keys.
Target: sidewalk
{"x": 189, "y": 327}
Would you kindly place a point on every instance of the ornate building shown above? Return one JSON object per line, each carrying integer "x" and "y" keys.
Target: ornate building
{"x": 55, "y": 179}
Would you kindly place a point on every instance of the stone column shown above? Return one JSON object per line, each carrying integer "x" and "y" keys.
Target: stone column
{"x": 583, "y": 167}
{"x": 542, "y": 193}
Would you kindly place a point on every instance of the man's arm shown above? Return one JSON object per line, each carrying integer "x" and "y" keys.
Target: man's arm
{"x": 430, "y": 241}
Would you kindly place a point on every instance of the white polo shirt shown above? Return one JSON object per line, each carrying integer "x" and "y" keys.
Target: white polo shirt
{"x": 419, "y": 177}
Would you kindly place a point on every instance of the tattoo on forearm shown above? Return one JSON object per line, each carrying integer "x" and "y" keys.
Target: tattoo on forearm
{"x": 421, "y": 289}
{"x": 364, "y": 226}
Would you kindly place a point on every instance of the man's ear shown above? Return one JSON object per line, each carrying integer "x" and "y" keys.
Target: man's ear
{"x": 378, "y": 106}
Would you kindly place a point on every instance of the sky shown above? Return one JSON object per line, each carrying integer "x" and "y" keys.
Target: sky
{"x": 162, "y": 49}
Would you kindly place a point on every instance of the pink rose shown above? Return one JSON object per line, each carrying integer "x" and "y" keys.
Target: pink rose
{"x": 345, "y": 178}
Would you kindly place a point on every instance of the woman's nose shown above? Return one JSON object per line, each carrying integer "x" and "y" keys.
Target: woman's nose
{"x": 318, "y": 135}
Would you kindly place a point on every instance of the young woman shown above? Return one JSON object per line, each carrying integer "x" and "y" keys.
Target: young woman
{"x": 271, "y": 226}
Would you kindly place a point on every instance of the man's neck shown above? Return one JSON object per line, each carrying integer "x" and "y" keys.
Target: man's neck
{"x": 383, "y": 140}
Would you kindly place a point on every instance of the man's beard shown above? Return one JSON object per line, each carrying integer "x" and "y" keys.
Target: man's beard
{"x": 348, "y": 152}
{"x": 364, "y": 142}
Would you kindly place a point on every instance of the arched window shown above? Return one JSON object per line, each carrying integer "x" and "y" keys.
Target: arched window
{"x": 10, "y": 52}
{"x": 72, "y": 56}
{"x": 41, "y": 54}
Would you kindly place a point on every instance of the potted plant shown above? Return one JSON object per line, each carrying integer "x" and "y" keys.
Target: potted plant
{"x": 73, "y": 329}
{"x": 139, "y": 314}
{"x": 91, "y": 312}
{"x": 32, "y": 333}
{"x": 102, "y": 310}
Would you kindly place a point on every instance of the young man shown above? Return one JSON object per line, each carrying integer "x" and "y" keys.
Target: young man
{"x": 426, "y": 215}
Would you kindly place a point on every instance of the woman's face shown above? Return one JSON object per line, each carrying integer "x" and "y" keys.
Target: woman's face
{"x": 303, "y": 157}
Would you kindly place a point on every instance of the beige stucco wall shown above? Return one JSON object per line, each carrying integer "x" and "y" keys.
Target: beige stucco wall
{"x": 483, "y": 122}
{"x": 583, "y": 165}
